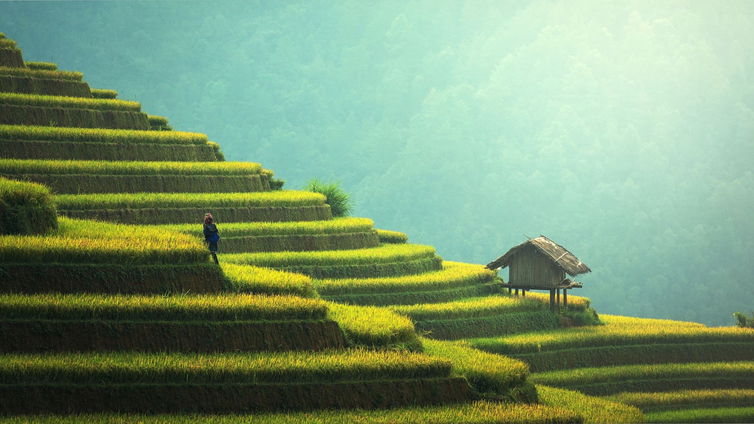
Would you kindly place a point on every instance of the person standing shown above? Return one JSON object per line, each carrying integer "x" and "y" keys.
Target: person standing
{"x": 211, "y": 235}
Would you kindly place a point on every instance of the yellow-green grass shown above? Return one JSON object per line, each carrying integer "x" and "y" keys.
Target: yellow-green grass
{"x": 7, "y": 43}
{"x": 624, "y": 321}
{"x": 468, "y": 308}
{"x": 652, "y": 378}
{"x": 102, "y": 93}
{"x": 574, "y": 302}
{"x": 510, "y": 323}
{"x": 242, "y": 229}
{"x": 594, "y": 410}
{"x": 223, "y": 368}
{"x": 102, "y": 243}
{"x": 45, "y": 74}
{"x": 744, "y": 414}
{"x": 387, "y": 236}
{"x": 99, "y": 135}
{"x": 85, "y": 167}
{"x": 25, "y": 208}
{"x": 385, "y": 260}
{"x": 486, "y": 372}
{"x": 156, "y": 120}
{"x": 374, "y": 327}
{"x": 686, "y": 399}
{"x": 611, "y": 335}
{"x": 182, "y": 307}
{"x": 78, "y": 150}
{"x": 478, "y": 412}
{"x": 47, "y": 66}
{"x": 221, "y": 157}
{"x": 259, "y": 280}
{"x": 383, "y": 254}
{"x": 283, "y": 198}
{"x": 68, "y": 102}
{"x": 453, "y": 275}
{"x": 31, "y": 85}
{"x": 11, "y": 57}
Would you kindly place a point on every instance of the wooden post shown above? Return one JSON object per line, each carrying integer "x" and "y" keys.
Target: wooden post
{"x": 557, "y": 298}
{"x": 523, "y": 292}
{"x": 565, "y": 298}
{"x": 552, "y": 300}
{"x": 516, "y": 292}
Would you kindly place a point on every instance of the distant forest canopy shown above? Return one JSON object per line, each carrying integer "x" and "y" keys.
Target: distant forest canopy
{"x": 623, "y": 130}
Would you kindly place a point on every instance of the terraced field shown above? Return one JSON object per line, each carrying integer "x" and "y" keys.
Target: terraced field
{"x": 307, "y": 313}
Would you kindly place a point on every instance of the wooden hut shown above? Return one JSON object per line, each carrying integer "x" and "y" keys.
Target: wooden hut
{"x": 541, "y": 264}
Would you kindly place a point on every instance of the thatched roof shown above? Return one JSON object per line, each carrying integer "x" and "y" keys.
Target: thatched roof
{"x": 559, "y": 254}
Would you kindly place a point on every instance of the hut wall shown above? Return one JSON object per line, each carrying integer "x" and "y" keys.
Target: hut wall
{"x": 529, "y": 267}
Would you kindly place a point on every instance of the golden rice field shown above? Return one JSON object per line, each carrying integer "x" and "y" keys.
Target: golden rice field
{"x": 40, "y": 73}
{"x": 453, "y": 274}
{"x": 247, "y": 368}
{"x": 468, "y": 308}
{"x": 374, "y": 327}
{"x": 259, "y": 280}
{"x": 86, "y": 167}
{"x": 241, "y": 229}
{"x": 68, "y": 102}
{"x": 176, "y": 307}
{"x": 99, "y": 135}
{"x": 187, "y": 200}
{"x": 383, "y": 254}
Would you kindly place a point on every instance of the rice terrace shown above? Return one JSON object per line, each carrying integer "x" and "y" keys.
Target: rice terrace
{"x": 115, "y": 307}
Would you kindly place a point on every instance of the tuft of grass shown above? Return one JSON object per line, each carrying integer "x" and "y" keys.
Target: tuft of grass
{"x": 26, "y": 208}
{"x": 339, "y": 200}
{"x": 101, "y": 93}
{"x": 44, "y": 66}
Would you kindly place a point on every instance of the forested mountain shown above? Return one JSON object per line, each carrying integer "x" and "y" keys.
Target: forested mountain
{"x": 623, "y": 130}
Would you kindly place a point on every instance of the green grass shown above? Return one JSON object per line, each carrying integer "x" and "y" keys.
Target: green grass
{"x": 453, "y": 275}
{"x": 743, "y": 414}
{"x": 101, "y": 93}
{"x": 593, "y": 409}
{"x": 78, "y": 150}
{"x": 25, "y": 208}
{"x": 7, "y": 43}
{"x": 51, "y": 87}
{"x": 611, "y": 335}
{"x": 243, "y": 229}
{"x": 225, "y": 368}
{"x": 623, "y": 321}
{"x": 99, "y": 243}
{"x": 574, "y": 302}
{"x": 46, "y": 66}
{"x": 663, "y": 377}
{"x": 507, "y": 323}
{"x": 69, "y": 102}
{"x": 99, "y": 135}
{"x": 36, "y": 73}
{"x": 468, "y": 308}
{"x": 188, "y": 200}
{"x": 374, "y": 327}
{"x": 221, "y": 307}
{"x": 258, "y": 280}
{"x": 486, "y": 372}
{"x": 296, "y": 242}
{"x": 62, "y": 167}
{"x": 686, "y": 399}
{"x": 478, "y": 412}
{"x": 387, "y": 236}
{"x": 383, "y": 254}
{"x": 337, "y": 198}
{"x": 157, "y": 121}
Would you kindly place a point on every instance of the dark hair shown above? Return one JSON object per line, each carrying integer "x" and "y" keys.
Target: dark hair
{"x": 208, "y": 218}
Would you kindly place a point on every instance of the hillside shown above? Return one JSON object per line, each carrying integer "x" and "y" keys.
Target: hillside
{"x": 110, "y": 305}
